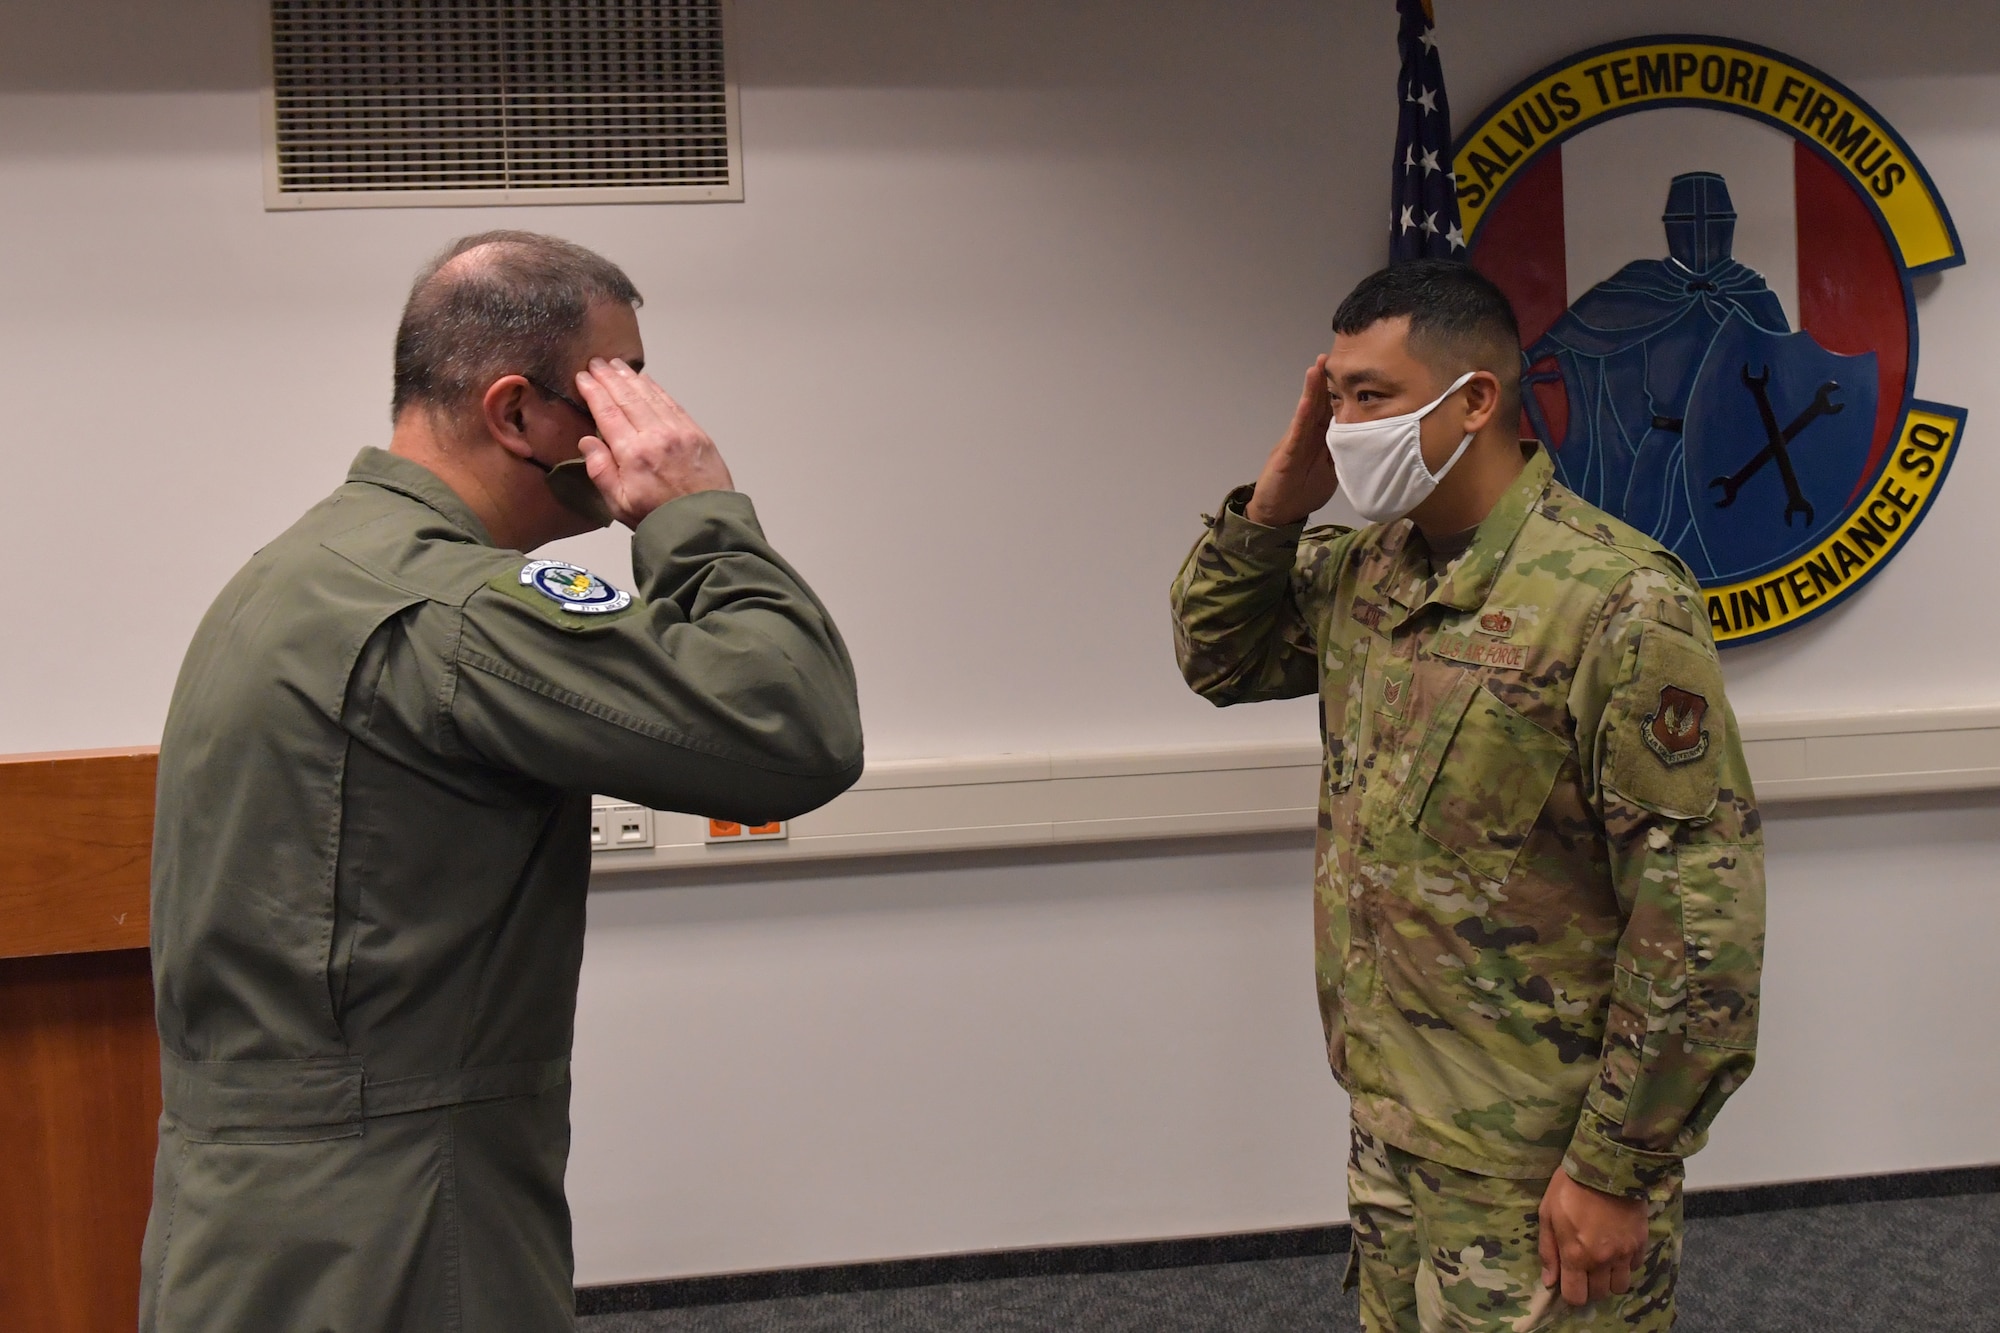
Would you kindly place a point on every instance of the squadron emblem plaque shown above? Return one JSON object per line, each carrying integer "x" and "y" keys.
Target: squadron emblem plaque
{"x": 1711, "y": 247}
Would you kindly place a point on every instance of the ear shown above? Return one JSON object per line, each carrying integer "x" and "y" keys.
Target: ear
{"x": 503, "y": 409}
{"x": 1482, "y": 400}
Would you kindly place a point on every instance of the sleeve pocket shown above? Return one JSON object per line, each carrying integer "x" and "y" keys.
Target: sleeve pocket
{"x": 1489, "y": 788}
{"x": 1631, "y": 1044}
{"x": 1722, "y": 918}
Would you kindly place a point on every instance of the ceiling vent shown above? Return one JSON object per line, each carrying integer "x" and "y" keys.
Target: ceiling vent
{"x": 385, "y": 103}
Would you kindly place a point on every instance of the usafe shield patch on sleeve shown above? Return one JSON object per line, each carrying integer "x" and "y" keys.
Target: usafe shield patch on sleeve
{"x": 1673, "y": 730}
{"x": 1476, "y": 650}
{"x": 1662, "y": 753}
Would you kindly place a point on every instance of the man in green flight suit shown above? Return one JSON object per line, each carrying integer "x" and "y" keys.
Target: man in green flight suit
{"x": 371, "y": 846}
{"x": 1539, "y": 880}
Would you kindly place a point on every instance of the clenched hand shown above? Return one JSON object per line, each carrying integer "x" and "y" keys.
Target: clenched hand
{"x": 1590, "y": 1241}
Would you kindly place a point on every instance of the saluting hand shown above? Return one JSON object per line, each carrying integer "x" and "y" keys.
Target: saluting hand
{"x": 1298, "y": 477}
{"x": 649, "y": 450}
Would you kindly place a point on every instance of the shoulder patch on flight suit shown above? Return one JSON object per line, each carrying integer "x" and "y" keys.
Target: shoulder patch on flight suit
{"x": 1661, "y": 751}
{"x": 567, "y": 594}
{"x": 573, "y": 588}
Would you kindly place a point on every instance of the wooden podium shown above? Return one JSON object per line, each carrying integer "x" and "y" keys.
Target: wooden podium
{"x": 79, "y": 1056}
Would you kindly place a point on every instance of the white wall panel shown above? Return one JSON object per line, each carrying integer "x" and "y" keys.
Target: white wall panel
{"x": 953, "y": 1055}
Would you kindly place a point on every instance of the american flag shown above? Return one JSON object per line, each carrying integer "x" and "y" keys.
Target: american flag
{"x": 1423, "y": 202}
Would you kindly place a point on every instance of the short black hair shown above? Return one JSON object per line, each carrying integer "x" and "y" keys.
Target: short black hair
{"x": 1459, "y": 320}
{"x": 516, "y": 307}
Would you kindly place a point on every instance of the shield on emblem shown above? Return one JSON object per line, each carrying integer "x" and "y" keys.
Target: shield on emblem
{"x": 1777, "y": 438}
{"x": 1673, "y": 731}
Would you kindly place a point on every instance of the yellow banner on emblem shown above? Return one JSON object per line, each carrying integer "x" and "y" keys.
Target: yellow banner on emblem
{"x": 1875, "y": 528}
{"x": 1707, "y": 72}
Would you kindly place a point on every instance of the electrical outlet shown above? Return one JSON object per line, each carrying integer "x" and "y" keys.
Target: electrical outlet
{"x": 723, "y": 831}
{"x": 622, "y": 827}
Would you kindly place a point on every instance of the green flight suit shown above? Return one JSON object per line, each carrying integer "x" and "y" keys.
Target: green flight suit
{"x": 1539, "y": 890}
{"x": 369, "y": 868}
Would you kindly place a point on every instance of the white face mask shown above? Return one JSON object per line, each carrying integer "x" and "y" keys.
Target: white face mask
{"x": 1381, "y": 462}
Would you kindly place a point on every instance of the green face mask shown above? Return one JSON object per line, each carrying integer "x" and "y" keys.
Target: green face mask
{"x": 578, "y": 493}
{"x": 571, "y": 480}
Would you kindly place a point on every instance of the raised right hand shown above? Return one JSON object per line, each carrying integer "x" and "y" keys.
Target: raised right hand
{"x": 1298, "y": 477}
{"x": 648, "y": 450}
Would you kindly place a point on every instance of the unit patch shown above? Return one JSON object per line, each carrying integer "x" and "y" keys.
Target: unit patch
{"x": 1750, "y": 406}
{"x": 573, "y": 588}
{"x": 1674, "y": 731}
{"x": 1456, "y": 647}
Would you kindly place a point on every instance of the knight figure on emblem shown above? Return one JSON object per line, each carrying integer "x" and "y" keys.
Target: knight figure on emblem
{"x": 1689, "y": 395}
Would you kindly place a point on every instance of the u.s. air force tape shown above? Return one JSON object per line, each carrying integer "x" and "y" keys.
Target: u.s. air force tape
{"x": 573, "y": 588}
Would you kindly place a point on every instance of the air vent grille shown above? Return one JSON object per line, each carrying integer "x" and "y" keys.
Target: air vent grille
{"x": 468, "y": 101}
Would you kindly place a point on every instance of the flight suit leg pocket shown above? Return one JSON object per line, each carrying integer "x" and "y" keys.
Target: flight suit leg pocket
{"x": 1490, "y": 784}
{"x": 1722, "y": 918}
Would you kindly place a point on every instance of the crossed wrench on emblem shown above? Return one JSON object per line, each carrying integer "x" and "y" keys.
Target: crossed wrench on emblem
{"x": 1822, "y": 405}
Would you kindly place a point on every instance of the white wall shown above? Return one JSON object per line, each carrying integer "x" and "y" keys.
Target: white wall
{"x": 953, "y": 1055}
{"x": 1015, "y": 292}
{"x": 1005, "y": 279}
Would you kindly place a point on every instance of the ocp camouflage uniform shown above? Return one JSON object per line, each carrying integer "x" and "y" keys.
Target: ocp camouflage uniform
{"x": 1539, "y": 892}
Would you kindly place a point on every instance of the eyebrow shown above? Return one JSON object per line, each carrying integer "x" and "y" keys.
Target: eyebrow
{"x": 1355, "y": 377}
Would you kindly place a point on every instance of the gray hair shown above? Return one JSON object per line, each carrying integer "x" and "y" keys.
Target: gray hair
{"x": 515, "y": 308}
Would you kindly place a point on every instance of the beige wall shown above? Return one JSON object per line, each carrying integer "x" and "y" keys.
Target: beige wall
{"x": 1015, "y": 292}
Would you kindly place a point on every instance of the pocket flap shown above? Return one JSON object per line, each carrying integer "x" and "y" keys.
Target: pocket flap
{"x": 1489, "y": 784}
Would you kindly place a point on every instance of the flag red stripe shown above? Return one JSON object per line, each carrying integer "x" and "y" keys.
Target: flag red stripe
{"x": 1850, "y": 290}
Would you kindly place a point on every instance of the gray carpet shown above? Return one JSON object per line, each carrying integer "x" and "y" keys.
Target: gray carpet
{"x": 1911, "y": 1266}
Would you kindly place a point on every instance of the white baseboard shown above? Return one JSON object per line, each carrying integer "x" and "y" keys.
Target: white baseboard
{"x": 1027, "y": 800}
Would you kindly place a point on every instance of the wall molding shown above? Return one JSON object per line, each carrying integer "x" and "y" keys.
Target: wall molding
{"x": 910, "y": 806}
{"x": 76, "y": 829}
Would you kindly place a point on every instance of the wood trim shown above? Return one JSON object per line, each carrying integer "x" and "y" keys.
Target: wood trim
{"x": 80, "y": 1060}
{"x": 76, "y": 849}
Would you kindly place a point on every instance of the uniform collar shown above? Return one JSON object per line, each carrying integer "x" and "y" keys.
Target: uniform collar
{"x": 393, "y": 472}
{"x": 1470, "y": 578}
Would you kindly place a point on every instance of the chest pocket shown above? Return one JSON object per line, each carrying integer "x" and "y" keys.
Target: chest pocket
{"x": 1482, "y": 778}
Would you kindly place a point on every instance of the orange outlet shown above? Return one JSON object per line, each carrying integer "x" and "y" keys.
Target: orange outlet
{"x": 723, "y": 830}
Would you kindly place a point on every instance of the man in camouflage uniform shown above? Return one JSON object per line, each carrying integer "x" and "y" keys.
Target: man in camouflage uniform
{"x": 1539, "y": 874}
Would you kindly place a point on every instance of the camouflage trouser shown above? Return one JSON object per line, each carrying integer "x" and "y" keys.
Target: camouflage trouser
{"x": 1439, "y": 1250}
